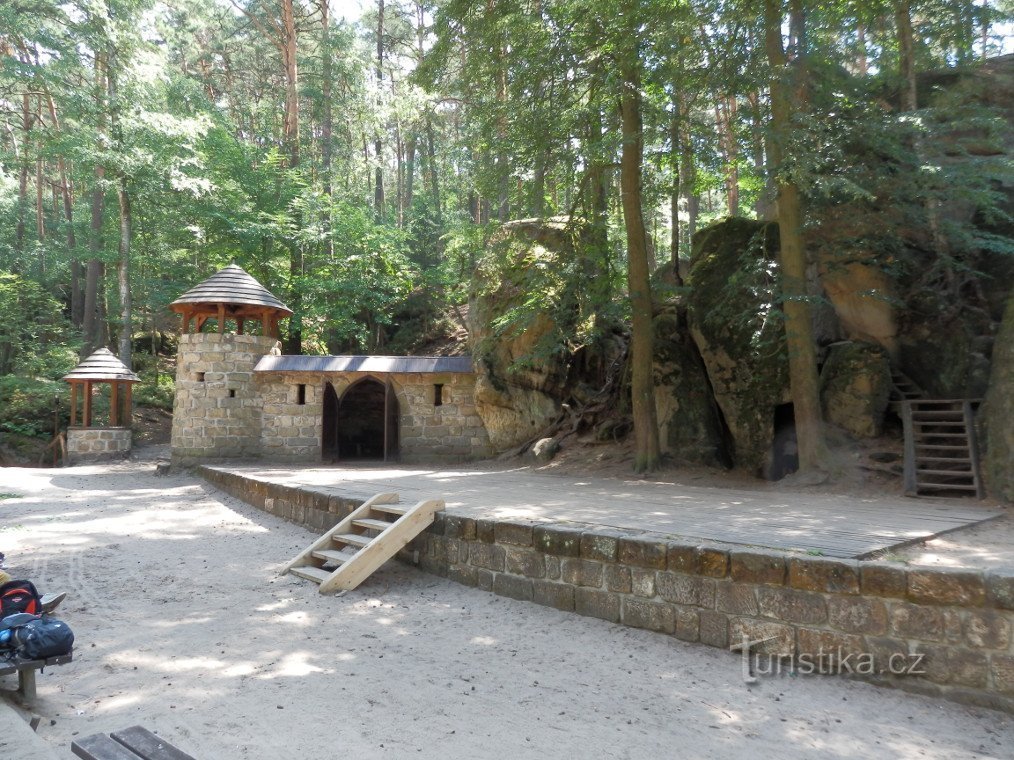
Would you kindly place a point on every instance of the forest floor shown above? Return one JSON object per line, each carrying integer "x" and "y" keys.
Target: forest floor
{"x": 184, "y": 626}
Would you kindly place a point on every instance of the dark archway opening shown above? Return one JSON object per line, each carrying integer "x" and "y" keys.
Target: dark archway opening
{"x": 365, "y": 422}
{"x": 784, "y": 459}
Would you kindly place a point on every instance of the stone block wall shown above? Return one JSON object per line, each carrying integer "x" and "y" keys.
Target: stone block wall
{"x": 217, "y": 410}
{"x": 961, "y": 622}
{"x": 451, "y": 432}
{"x": 290, "y": 431}
{"x": 94, "y": 444}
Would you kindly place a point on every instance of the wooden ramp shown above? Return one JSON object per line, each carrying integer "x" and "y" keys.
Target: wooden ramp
{"x": 356, "y": 547}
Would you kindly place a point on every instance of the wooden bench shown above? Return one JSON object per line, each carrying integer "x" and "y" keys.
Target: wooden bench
{"x": 26, "y": 671}
{"x": 134, "y": 743}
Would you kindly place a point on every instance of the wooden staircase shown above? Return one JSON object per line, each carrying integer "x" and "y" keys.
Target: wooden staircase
{"x": 941, "y": 458}
{"x": 357, "y": 546}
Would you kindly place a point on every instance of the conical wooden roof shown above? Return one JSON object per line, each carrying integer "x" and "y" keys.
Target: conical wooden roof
{"x": 231, "y": 286}
{"x": 102, "y": 366}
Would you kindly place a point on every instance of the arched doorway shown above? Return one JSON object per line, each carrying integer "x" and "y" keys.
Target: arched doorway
{"x": 363, "y": 423}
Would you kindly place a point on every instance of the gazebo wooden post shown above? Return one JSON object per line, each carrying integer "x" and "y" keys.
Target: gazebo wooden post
{"x": 86, "y": 415}
{"x": 266, "y": 323}
{"x": 127, "y": 408}
{"x": 73, "y": 403}
{"x": 239, "y": 325}
{"x": 114, "y": 398}
{"x": 221, "y": 318}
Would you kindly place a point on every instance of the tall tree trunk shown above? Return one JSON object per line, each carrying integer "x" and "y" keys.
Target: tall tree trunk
{"x": 642, "y": 385}
{"x": 409, "y": 172}
{"x": 725, "y": 114}
{"x": 26, "y": 126}
{"x": 93, "y": 297}
{"x": 690, "y": 200}
{"x": 431, "y": 149}
{"x": 378, "y": 146}
{"x": 327, "y": 128}
{"x": 863, "y": 63}
{"x": 294, "y": 342}
{"x": 76, "y": 295}
{"x": 126, "y": 220}
{"x": 803, "y": 380}
{"x": 906, "y": 55}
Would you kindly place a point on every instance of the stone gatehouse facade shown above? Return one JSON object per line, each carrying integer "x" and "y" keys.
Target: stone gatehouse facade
{"x": 238, "y": 397}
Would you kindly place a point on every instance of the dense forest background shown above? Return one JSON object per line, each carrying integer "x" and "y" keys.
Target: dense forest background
{"x": 364, "y": 167}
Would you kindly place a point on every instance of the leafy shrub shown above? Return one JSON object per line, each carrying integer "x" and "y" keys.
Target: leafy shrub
{"x": 27, "y": 405}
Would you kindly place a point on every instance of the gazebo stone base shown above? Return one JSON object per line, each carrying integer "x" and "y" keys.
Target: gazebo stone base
{"x": 97, "y": 444}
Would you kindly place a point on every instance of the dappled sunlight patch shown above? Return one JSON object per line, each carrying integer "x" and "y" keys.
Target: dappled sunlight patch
{"x": 168, "y": 624}
{"x": 298, "y": 618}
{"x": 484, "y": 641}
{"x": 294, "y": 664}
{"x": 279, "y": 605}
{"x": 119, "y": 702}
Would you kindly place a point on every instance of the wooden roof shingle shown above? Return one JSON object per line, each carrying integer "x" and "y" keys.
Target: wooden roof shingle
{"x": 231, "y": 285}
{"x": 101, "y": 366}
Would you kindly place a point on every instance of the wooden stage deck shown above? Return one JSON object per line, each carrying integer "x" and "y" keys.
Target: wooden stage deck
{"x": 826, "y": 524}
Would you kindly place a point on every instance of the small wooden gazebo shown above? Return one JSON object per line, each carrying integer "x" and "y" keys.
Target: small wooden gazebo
{"x": 100, "y": 367}
{"x": 233, "y": 294}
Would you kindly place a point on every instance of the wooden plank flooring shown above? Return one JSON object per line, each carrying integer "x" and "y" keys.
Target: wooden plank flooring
{"x": 831, "y": 525}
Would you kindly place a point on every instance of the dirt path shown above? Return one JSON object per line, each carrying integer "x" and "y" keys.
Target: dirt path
{"x": 184, "y": 627}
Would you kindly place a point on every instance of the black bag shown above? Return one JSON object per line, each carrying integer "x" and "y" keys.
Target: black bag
{"x": 19, "y": 596}
{"x": 36, "y": 638}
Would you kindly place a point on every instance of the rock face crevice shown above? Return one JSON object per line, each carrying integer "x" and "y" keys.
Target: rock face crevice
{"x": 998, "y": 412}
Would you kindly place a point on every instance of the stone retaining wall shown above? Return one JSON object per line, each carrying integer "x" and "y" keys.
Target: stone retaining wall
{"x": 961, "y": 621}
{"x": 97, "y": 444}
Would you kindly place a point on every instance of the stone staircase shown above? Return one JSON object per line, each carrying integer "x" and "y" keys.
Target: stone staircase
{"x": 357, "y": 546}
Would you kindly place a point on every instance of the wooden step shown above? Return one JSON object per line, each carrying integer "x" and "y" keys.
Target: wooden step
{"x": 952, "y": 473}
{"x": 372, "y": 524}
{"x": 370, "y": 552}
{"x": 955, "y": 460}
{"x": 946, "y": 487}
{"x": 391, "y": 509}
{"x": 941, "y": 446}
{"x": 333, "y": 556}
{"x": 938, "y": 423}
{"x": 311, "y": 573}
{"x": 351, "y": 539}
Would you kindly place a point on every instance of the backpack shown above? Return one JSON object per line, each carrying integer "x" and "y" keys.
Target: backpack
{"x": 36, "y": 638}
{"x": 19, "y": 596}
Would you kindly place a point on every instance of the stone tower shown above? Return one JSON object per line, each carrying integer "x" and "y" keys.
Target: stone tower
{"x": 217, "y": 410}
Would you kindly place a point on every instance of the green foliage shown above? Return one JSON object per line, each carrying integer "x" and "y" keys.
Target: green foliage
{"x": 27, "y": 407}
{"x": 351, "y": 291}
{"x": 158, "y": 391}
{"x": 34, "y": 337}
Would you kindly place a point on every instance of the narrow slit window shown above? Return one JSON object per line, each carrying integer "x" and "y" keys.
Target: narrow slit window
{"x": 232, "y": 393}
{"x": 200, "y": 377}
{"x": 438, "y": 394}
{"x": 301, "y": 394}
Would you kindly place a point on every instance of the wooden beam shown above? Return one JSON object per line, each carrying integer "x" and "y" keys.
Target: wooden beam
{"x": 239, "y": 325}
{"x": 73, "y": 403}
{"x": 128, "y": 409}
{"x": 86, "y": 415}
{"x": 114, "y": 399}
{"x": 221, "y": 318}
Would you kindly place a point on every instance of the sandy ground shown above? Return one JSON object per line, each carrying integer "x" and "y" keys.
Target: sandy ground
{"x": 183, "y": 626}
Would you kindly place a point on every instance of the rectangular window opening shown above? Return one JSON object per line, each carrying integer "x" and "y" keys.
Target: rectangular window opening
{"x": 301, "y": 394}
{"x": 232, "y": 393}
{"x": 200, "y": 377}
{"x": 438, "y": 394}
